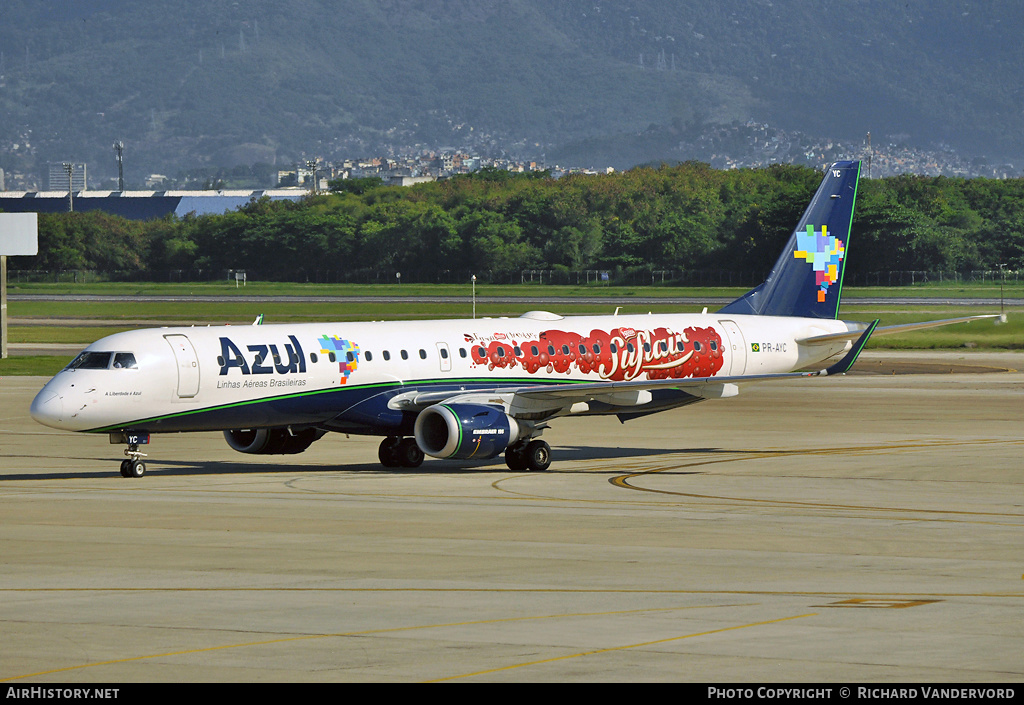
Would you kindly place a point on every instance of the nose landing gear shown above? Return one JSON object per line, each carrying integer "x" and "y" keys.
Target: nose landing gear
{"x": 132, "y": 466}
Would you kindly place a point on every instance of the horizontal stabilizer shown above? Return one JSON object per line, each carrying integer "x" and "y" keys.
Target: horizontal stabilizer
{"x": 854, "y": 333}
{"x": 907, "y": 327}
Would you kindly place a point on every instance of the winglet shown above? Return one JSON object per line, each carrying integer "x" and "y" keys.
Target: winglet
{"x": 844, "y": 365}
{"x": 258, "y": 321}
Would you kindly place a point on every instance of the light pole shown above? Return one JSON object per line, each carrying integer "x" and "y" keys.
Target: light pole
{"x": 119, "y": 148}
{"x": 311, "y": 165}
{"x": 474, "y": 296}
{"x": 869, "y": 155}
{"x": 1002, "y": 313}
{"x": 70, "y": 169}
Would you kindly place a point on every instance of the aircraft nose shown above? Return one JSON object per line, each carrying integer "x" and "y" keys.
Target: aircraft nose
{"x": 47, "y": 408}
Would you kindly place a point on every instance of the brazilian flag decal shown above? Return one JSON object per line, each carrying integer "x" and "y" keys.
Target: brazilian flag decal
{"x": 755, "y": 347}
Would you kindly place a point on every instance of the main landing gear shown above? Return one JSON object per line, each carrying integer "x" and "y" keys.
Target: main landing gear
{"x": 395, "y": 452}
{"x": 528, "y": 455}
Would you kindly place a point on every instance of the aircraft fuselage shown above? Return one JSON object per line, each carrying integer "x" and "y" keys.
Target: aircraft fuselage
{"x": 342, "y": 375}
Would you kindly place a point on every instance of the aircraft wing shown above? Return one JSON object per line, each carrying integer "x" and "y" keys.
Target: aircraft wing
{"x": 546, "y": 399}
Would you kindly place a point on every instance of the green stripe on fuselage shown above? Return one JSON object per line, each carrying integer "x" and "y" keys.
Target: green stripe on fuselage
{"x": 141, "y": 423}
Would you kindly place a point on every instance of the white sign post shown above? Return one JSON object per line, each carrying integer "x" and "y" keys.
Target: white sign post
{"x": 19, "y": 235}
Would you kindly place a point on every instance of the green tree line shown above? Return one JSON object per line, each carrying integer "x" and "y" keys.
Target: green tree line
{"x": 497, "y": 224}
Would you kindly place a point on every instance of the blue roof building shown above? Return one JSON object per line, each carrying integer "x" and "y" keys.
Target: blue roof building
{"x": 140, "y": 205}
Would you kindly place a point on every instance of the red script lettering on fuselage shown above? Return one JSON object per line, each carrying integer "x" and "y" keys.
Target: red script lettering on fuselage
{"x": 621, "y": 354}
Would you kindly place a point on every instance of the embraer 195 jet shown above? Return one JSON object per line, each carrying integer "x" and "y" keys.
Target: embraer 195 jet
{"x": 467, "y": 389}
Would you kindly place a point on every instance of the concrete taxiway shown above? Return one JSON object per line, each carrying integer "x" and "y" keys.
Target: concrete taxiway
{"x": 862, "y": 528}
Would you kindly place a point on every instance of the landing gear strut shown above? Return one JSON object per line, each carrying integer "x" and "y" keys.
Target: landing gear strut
{"x": 132, "y": 466}
{"x": 528, "y": 455}
{"x": 395, "y": 452}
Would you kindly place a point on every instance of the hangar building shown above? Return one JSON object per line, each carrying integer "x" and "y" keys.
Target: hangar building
{"x": 140, "y": 205}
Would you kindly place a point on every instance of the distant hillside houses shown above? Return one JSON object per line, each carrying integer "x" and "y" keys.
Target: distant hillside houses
{"x": 737, "y": 145}
{"x": 753, "y": 144}
{"x": 399, "y": 170}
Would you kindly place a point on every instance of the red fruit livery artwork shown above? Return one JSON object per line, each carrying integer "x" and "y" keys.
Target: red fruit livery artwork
{"x": 622, "y": 354}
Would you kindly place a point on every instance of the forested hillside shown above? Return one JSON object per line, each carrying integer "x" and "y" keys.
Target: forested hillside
{"x": 190, "y": 83}
{"x": 497, "y": 224}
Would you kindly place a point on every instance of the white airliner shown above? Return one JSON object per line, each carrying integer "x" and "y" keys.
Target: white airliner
{"x": 467, "y": 388}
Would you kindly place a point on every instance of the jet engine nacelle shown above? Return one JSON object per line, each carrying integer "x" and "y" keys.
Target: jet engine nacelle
{"x": 465, "y": 431}
{"x": 271, "y": 441}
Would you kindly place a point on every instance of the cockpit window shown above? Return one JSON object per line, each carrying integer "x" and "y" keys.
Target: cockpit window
{"x": 124, "y": 361}
{"x": 103, "y": 360}
{"x": 91, "y": 361}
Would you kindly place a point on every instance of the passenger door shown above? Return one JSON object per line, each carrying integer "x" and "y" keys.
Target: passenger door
{"x": 188, "y": 365}
{"x": 737, "y": 348}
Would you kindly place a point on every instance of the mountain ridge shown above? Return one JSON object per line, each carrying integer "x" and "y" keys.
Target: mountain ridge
{"x": 186, "y": 84}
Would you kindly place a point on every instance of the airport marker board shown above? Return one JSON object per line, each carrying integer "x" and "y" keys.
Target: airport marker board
{"x": 19, "y": 235}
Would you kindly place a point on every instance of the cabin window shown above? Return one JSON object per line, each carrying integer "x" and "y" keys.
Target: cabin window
{"x": 501, "y": 351}
{"x": 551, "y": 350}
{"x": 220, "y": 360}
{"x": 664, "y": 346}
{"x": 681, "y": 346}
{"x": 647, "y": 347}
{"x": 714, "y": 345}
{"x": 481, "y": 351}
{"x": 444, "y": 353}
{"x": 583, "y": 349}
{"x": 369, "y": 355}
{"x": 597, "y": 348}
{"x": 332, "y": 357}
{"x": 405, "y": 355}
{"x": 350, "y": 356}
{"x": 534, "y": 351}
{"x": 629, "y": 347}
{"x": 696, "y": 346}
{"x": 387, "y": 355}
{"x": 423, "y": 354}
{"x": 613, "y": 347}
{"x": 462, "y": 352}
{"x": 518, "y": 351}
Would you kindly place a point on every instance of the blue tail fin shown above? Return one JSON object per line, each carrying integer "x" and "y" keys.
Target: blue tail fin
{"x": 807, "y": 279}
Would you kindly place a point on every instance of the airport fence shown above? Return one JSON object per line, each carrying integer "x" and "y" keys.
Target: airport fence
{"x": 915, "y": 277}
{"x": 634, "y": 276}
